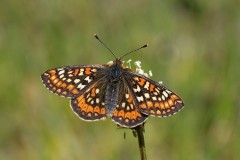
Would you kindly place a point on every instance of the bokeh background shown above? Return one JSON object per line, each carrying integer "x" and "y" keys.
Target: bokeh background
{"x": 194, "y": 49}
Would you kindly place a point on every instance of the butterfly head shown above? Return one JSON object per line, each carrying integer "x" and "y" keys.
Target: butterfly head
{"x": 117, "y": 64}
{"x": 114, "y": 70}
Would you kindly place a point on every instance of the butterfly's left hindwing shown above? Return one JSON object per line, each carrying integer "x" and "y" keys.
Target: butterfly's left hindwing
{"x": 70, "y": 81}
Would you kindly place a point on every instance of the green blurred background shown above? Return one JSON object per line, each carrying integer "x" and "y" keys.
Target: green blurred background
{"x": 194, "y": 49}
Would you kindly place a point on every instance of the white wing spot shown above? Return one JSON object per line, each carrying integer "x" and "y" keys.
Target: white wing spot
{"x": 97, "y": 100}
{"x": 127, "y": 96}
{"x": 165, "y": 94}
{"x": 140, "y": 99}
{"x": 146, "y": 95}
{"x": 76, "y": 81}
{"x": 69, "y": 80}
{"x": 131, "y": 106}
{"x": 89, "y": 99}
{"x": 123, "y": 104}
{"x": 163, "y": 98}
{"x": 146, "y": 85}
{"x": 61, "y": 76}
{"x": 80, "y": 86}
{"x": 168, "y": 91}
{"x": 94, "y": 70}
{"x": 61, "y": 72}
{"x": 154, "y": 98}
{"x": 88, "y": 79}
{"x": 97, "y": 91}
{"x": 157, "y": 90}
{"x": 88, "y": 95}
{"x": 138, "y": 89}
{"x": 80, "y": 73}
{"x": 70, "y": 72}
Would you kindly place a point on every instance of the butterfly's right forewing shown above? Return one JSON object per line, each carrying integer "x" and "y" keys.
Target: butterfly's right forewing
{"x": 71, "y": 81}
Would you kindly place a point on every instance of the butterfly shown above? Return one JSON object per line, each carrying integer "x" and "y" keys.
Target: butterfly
{"x": 112, "y": 90}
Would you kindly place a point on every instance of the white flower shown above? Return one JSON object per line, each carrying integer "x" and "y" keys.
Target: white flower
{"x": 138, "y": 64}
{"x": 129, "y": 63}
{"x": 139, "y": 69}
{"x": 150, "y": 73}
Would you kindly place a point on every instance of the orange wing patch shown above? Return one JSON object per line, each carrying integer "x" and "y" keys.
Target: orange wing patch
{"x": 154, "y": 99}
{"x": 88, "y": 106}
{"x": 67, "y": 81}
{"x": 169, "y": 106}
{"x": 128, "y": 119}
{"x": 126, "y": 114}
{"x": 88, "y": 71}
{"x": 57, "y": 85}
{"x": 141, "y": 81}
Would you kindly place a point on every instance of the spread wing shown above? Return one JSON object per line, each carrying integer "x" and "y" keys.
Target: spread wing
{"x": 151, "y": 97}
{"x": 126, "y": 113}
{"x": 71, "y": 81}
{"x": 83, "y": 84}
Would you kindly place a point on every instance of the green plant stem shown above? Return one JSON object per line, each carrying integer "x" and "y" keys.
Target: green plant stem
{"x": 139, "y": 130}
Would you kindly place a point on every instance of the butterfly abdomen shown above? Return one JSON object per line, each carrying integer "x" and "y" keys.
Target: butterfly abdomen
{"x": 111, "y": 98}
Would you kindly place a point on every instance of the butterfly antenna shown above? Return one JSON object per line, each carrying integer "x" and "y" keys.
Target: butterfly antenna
{"x": 144, "y": 46}
{"x": 95, "y": 35}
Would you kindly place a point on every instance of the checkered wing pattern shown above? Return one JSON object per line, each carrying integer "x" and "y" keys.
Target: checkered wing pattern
{"x": 153, "y": 98}
{"x": 126, "y": 113}
{"x": 83, "y": 85}
{"x": 130, "y": 97}
{"x": 90, "y": 105}
{"x": 70, "y": 81}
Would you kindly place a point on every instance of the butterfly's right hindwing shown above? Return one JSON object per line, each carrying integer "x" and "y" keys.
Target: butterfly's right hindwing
{"x": 90, "y": 105}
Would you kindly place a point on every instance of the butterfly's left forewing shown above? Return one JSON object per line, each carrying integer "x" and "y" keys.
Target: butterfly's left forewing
{"x": 152, "y": 98}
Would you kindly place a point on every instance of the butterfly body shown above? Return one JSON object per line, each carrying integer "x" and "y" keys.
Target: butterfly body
{"x": 112, "y": 90}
